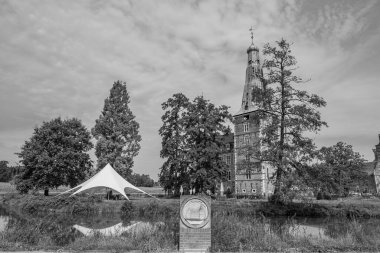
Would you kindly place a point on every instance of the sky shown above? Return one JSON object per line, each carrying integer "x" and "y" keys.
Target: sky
{"x": 60, "y": 59}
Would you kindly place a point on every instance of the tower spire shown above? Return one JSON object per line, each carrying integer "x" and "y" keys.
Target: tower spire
{"x": 251, "y": 30}
{"x": 253, "y": 79}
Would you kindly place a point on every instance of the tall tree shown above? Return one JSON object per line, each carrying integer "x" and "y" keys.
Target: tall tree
{"x": 117, "y": 132}
{"x": 173, "y": 172}
{"x": 55, "y": 155}
{"x": 191, "y": 143}
{"x": 205, "y": 123}
{"x": 287, "y": 114}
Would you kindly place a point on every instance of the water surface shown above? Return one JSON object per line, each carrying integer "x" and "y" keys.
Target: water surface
{"x": 63, "y": 229}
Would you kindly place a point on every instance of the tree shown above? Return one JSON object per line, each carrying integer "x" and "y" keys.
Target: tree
{"x": 191, "y": 144}
{"x": 55, "y": 155}
{"x": 142, "y": 180}
{"x": 117, "y": 132}
{"x": 173, "y": 172}
{"x": 339, "y": 168}
{"x": 205, "y": 123}
{"x": 287, "y": 114}
{"x": 5, "y": 172}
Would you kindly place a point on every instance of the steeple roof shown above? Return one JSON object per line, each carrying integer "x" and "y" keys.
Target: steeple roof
{"x": 253, "y": 78}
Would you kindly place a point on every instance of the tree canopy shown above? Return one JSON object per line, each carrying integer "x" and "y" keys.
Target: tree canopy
{"x": 117, "y": 132}
{"x": 142, "y": 180}
{"x": 55, "y": 155}
{"x": 338, "y": 169}
{"x": 287, "y": 113}
{"x": 5, "y": 172}
{"x": 191, "y": 143}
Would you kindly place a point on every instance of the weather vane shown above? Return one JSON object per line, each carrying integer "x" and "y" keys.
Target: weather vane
{"x": 251, "y": 30}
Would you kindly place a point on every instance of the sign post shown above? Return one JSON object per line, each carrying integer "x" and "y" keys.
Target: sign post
{"x": 195, "y": 223}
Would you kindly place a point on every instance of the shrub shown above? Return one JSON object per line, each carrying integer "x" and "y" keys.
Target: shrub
{"x": 229, "y": 193}
{"x": 127, "y": 211}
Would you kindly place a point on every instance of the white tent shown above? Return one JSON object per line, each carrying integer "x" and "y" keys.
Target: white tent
{"x": 107, "y": 177}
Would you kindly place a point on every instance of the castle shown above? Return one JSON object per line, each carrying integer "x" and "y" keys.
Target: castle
{"x": 376, "y": 168}
{"x": 247, "y": 176}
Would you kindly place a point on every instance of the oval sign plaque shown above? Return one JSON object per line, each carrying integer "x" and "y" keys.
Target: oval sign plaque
{"x": 194, "y": 213}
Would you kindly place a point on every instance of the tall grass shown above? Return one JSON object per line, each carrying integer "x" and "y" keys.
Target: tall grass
{"x": 238, "y": 226}
{"x": 231, "y": 233}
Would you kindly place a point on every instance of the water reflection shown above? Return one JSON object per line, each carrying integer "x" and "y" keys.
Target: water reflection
{"x": 62, "y": 229}
{"x": 117, "y": 229}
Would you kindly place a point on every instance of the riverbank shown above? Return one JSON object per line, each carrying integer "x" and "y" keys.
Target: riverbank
{"x": 348, "y": 208}
{"x": 158, "y": 231}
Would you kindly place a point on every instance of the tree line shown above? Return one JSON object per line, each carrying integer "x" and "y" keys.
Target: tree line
{"x": 57, "y": 152}
{"x": 192, "y": 145}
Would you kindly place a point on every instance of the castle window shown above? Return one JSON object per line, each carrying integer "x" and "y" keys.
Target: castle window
{"x": 229, "y": 159}
{"x": 229, "y": 175}
{"x": 246, "y": 139}
{"x": 245, "y": 127}
{"x": 248, "y": 174}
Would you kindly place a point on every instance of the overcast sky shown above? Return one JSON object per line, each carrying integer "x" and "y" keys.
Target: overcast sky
{"x": 60, "y": 58}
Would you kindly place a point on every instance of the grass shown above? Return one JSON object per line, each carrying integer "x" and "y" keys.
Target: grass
{"x": 59, "y": 204}
{"x": 232, "y": 233}
{"x": 7, "y": 188}
{"x": 96, "y": 204}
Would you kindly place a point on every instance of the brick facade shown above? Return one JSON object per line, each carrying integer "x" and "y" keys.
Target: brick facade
{"x": 376, "y": 170}
{"x": 249, "y": 176}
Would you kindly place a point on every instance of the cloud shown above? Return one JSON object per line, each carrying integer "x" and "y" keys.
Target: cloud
{"x": 60, "y": 58}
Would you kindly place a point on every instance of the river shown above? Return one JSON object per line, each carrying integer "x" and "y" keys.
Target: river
{"x": 63, "y": 229}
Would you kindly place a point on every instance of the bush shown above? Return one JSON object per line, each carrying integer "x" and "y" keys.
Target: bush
{"x": 154, "y": 210}
{"x": 127, "y": 212}
{"x": 323, "y": 195}
{"x": 229, "y": 193}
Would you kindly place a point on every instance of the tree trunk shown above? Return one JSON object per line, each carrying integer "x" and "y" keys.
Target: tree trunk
{"x": 46, "y": 191}
{"x": 280, "y": 167}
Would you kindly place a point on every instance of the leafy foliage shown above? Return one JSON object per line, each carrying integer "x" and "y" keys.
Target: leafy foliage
{"x": 5, "y": 172}
{"x": 339, "y": 169}
{"x": 55, "y": 155}
{"x": 191, "y": 144}
{"x": 142, "y": 180}
{"x": 174, "y": 170}
{"x": 287, "y": 114}
{"x": 117, "y": 132}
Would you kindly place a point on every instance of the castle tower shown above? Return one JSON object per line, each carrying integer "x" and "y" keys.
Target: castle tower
{"x": 376, "y": 171}
{"x": 251, "y": 175}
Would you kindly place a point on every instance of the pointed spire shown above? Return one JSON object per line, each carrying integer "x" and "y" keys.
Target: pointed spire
{"x": 251, "y": 30}
{"x": 252, "y": 78}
